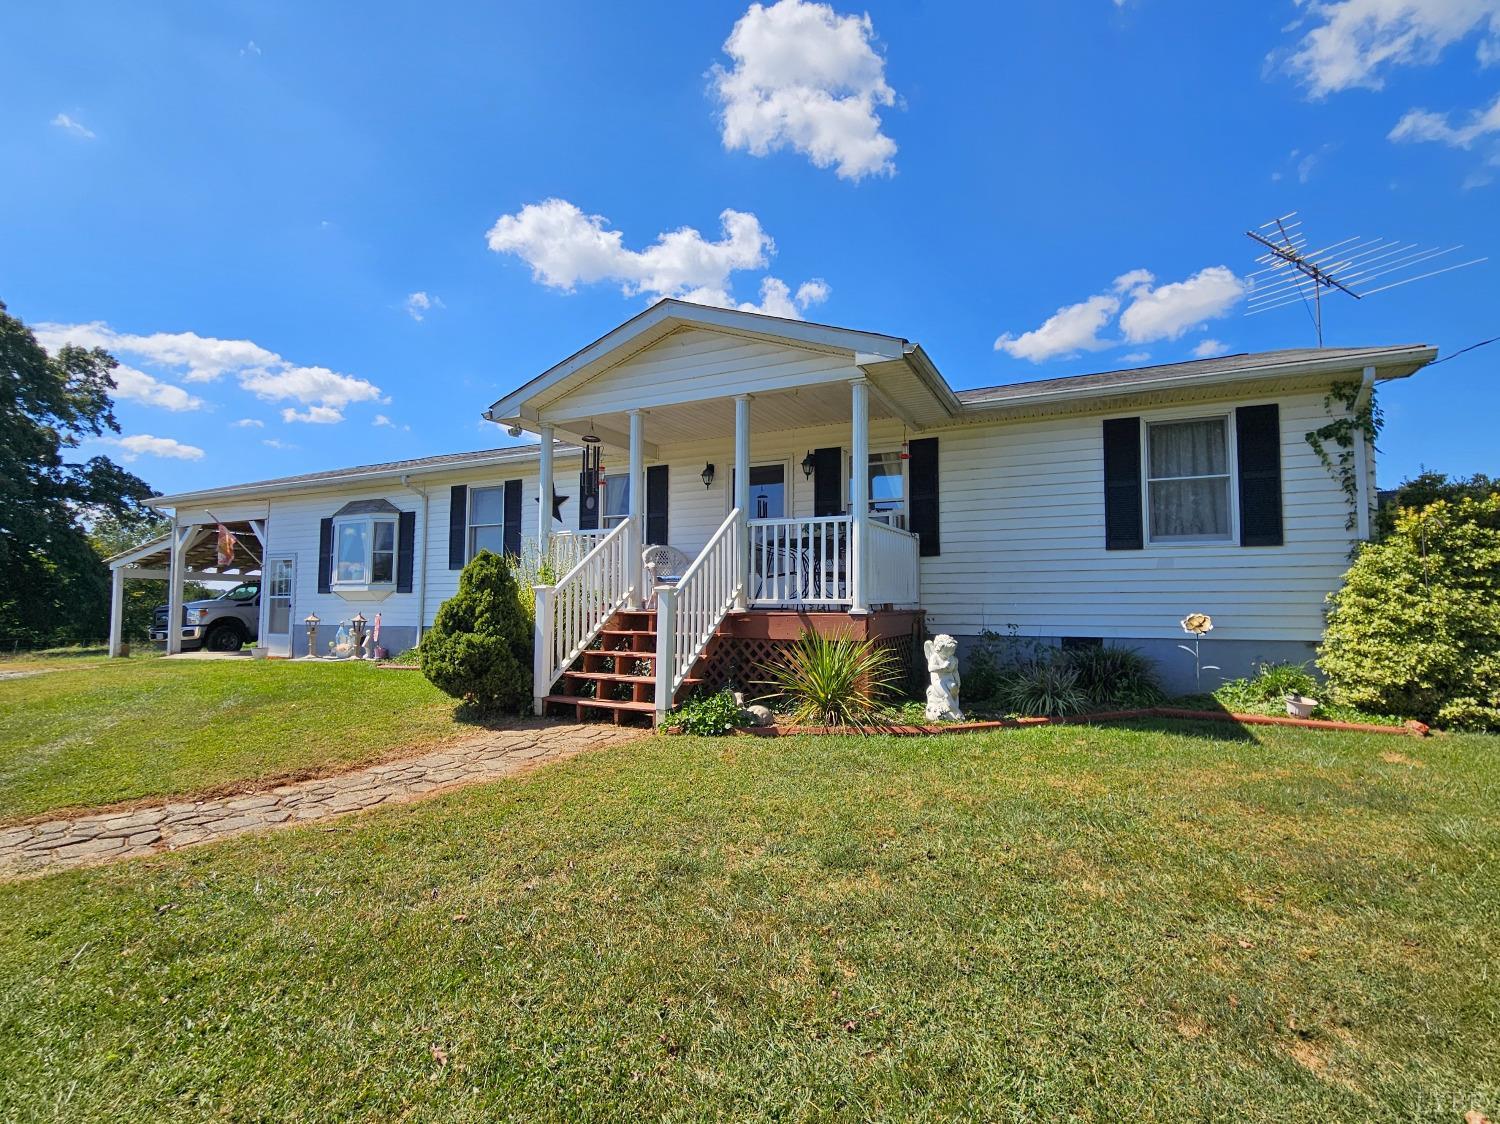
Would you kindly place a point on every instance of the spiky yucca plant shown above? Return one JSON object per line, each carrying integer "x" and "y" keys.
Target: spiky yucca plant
{"x": 834, "y": 680}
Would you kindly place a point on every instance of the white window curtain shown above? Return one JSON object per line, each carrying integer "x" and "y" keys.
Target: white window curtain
{"x": 1189, "y": 480}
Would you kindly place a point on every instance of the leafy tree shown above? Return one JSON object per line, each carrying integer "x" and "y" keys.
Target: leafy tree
{"x": 1426, "y": 488}
{"x": 479, "y": 646}
{"x": 52, "y": 585}
{"x": 1415, "y": 629}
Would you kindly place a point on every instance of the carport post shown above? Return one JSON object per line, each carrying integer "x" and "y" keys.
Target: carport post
{"x": 116, "y": 610}
{"x": 181, "y": 536}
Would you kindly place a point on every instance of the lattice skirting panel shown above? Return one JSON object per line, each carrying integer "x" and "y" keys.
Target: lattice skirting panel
{"x": 739, "y": 662}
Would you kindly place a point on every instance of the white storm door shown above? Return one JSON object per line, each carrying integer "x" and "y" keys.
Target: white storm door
{"x": 281, "y": 580}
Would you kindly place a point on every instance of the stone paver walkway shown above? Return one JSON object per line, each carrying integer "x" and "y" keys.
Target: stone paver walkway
{"x": 107, "y": 836}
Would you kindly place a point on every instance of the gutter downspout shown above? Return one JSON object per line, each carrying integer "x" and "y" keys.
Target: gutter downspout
{"x": 422, "y": 574}
{"x": 1362, "y": 460}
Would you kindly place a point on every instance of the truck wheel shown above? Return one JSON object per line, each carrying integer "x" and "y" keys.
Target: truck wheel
{"x": 225, "y": 637}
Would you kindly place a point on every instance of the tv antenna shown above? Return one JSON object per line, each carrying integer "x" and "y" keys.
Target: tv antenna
{"x": 1290, "y": 272}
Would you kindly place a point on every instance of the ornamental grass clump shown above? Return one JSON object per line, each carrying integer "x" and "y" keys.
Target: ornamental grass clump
{"x": 834, "y": 680}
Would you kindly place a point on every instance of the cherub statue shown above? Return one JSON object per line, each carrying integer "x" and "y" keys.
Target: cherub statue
{"x": 942, "y": 692}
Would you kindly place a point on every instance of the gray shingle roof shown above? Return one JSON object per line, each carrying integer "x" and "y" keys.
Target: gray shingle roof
{"x": 1193, "y": 370}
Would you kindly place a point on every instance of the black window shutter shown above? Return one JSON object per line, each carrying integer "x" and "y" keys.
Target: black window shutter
{"x": 513, "y": 517}
{"x": 458, "y": 525}
{"x": 922, "y": 505}
{"x": 406, "y": 541}
{"x": 1257, "y": 431}
{"x": 1122, "y": 484}
{"x": 656, "y": 505}
{"x": 828, "y": 481}
{"x": 325, "y": 556}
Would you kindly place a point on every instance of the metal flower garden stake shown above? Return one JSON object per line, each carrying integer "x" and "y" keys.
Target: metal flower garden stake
{"x": 1195, "y": 625}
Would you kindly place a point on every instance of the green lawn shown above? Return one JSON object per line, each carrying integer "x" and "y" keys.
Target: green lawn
{"x": 1179, "y": 923}
{"x": 89, "y": 731}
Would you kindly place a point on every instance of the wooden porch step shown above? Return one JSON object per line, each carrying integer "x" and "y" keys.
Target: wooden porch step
{"x": 616, "y": 708}
{"x": 620, "y": 677}
{"x": 627, "y": 632}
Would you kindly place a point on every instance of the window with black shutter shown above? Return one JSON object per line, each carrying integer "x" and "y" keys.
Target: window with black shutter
{"x": 1122, "y": 484}
{"x": 1257, "y": 431}
{"x": 458, "y": 521}
{"x": 922, "y": 511}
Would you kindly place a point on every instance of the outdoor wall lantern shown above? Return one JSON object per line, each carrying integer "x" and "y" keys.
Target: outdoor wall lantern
{"x": 808, "y": 464}
{"x": 708, "y": 476}
{"x": 312, "y": 623}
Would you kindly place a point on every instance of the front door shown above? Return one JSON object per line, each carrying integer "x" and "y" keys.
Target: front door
{"x": 281, "y": 580}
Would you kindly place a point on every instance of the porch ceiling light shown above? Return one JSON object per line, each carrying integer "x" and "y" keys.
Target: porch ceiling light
{"x": 708, "y": 475}
{"x": 808, "y": 464}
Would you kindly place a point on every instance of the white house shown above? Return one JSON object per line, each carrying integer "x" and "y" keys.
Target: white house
{"x": 813, "y": 476}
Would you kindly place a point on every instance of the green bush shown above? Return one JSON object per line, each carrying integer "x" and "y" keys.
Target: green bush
{"x": 1115, "y": 676}
{"x": 834, "y": 680}
{"x": 479, "y": 647}
{"x": 1415, "y": 629}
{"x": 1271, "y": 683}
{"x": 1043, "y": 688}
{"x": 709, "y": 715}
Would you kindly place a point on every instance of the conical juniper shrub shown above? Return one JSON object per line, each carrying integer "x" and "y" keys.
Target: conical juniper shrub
{"x": 834, "y": 680}
{"x": 479, "y": 647}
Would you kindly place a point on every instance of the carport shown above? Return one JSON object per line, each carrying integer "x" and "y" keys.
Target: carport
{"x": 188, "y": 550}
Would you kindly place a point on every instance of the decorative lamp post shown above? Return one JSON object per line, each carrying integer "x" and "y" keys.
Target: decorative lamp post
{"x": 312, "y": 623}
{"x": 358, "y": 625}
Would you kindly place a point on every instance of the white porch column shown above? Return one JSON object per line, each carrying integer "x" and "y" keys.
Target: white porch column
{"x": 544, "y": 494}
{"x": 635, "y": 531}
{"x": 742, "y": 496}
{"x": 181, "y": 536}
{"x": 859, "y": 492}
{"x": 116, "y": 610}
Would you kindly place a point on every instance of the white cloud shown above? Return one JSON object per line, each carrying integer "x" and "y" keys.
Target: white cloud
{"x": 72, "y": 125}
{"x": 565, "y": 248}
{"x": 1354, "y": 42}
{"x": 1207, "y": 349}
{"x": 250, "y": 49}
{"x": 1154, "y": 312}
{"x": 806, "y": 77}
{"x": 314, "y": 415}
{"x": 419, "y": 304}
{"x": 1166, "y": 312}
{"x": 143, "y": 444}
{"x": 381, "y": 419}
{"x": 250, "y": 423}
{"x": 813, "y": 292}
{"x": 276, "y": 443}
{"x": 1069, "y": 330}
{"x": 137, "y": 386}
{"x": 1423, "y": 125}
{"x": 204, "y": 359}
{"x": 1135, "y": 357}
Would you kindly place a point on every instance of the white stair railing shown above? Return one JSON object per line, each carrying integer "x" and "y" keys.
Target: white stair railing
{"x": 688, "y": 614}
{"x": 570, "y": 614}
{"x": 894, "y": 570}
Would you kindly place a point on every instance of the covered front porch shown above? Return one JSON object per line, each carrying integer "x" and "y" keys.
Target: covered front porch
{"x": 761, "y": 446}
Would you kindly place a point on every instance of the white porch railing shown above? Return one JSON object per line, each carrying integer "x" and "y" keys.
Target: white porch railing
{"x": 893, "y": 568}
{"x": 568, "y": 548}
{"x": 688, "y": 614}
{"x": 570, "y": 614}
{"x": 800, "y": 561}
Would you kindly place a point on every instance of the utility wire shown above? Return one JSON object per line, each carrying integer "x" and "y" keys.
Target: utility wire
{"x": 1460, "y": 351}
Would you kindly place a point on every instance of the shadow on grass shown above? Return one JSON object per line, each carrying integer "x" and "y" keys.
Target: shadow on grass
{"x": 1224, "y": 729}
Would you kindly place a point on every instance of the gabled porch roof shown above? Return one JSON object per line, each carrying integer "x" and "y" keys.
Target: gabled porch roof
{"x": 805, "y": 381}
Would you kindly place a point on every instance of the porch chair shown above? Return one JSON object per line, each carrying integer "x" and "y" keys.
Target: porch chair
{"x": 664, "y": 564}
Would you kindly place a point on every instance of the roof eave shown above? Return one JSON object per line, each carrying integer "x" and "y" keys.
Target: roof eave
{"x": 1389, "y": 364}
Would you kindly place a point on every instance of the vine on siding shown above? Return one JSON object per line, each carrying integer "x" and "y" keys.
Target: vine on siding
{"x": 1356, "y": 422}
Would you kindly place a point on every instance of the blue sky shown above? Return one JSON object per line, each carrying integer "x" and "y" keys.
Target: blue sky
{"x": 242, "y": 199}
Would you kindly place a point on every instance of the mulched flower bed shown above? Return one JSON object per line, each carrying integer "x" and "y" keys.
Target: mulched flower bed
{"x": 1409, "y": 729}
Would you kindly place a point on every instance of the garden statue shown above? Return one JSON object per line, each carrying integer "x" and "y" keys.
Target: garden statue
{"x": 942, "y": 692}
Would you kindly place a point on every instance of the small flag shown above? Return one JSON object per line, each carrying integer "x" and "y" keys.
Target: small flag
{"x": 375, "y": 630}
{"x": 224, "y": 554}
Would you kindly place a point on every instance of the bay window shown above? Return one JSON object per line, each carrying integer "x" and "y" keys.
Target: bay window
{"x": 1188, "y": 480}
{"x": 364, "y": 551}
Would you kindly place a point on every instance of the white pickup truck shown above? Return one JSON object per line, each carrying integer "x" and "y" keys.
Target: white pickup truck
{"x": 218, "y": 624}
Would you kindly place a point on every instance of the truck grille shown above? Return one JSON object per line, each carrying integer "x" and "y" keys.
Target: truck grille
{"x": 161, "y": 618}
